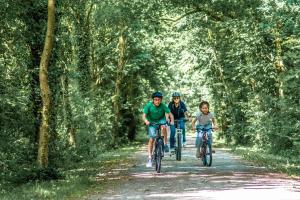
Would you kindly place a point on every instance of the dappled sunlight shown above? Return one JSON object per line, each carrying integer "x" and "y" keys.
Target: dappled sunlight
{"x": 236, "y": 194}
{"x": 228, "y": 178}
{"x": 159, "y": 175}
{"x": 194, "y": 193}
{"x": 44, "y": 193}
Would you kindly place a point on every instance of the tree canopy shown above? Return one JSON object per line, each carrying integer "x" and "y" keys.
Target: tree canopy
{"x": 109, "y": 56}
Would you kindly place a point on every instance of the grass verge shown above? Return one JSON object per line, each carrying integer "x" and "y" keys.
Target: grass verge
{"x": 87, "y": 177}
{"x": 287, "y": 164}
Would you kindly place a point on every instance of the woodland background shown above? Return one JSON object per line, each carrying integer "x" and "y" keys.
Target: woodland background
{"x": 108, "y": 56}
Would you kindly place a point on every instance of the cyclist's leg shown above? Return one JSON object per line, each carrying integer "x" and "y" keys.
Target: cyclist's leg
{"x": 164, "y": 133}
{"x": 164, "y": 130}
{"x": 172, "y": 136}
{"x": 199, "y": 135}
{"x": 199, "y": 142}
{"x": 210, "y": 139}
{"x": 182, "y": 126}
{"x": 151, "y": 135}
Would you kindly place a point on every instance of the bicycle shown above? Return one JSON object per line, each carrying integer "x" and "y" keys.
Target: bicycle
{"x": 178, "y": 135}
{"x": 158, "y": 152}
{"x": 206, "y": 148}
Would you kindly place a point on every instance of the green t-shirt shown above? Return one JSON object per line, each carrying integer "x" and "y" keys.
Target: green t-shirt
{"x": 154, "y": 114}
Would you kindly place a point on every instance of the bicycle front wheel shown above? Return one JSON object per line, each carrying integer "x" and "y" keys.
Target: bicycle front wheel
{"x": 207, "y": 156}
{"x": 159, "y": 152}
{"x": 179, "y": 147}
{"x": 203, "y": 154}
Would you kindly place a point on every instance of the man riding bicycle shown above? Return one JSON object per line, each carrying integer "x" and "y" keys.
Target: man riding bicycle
{"x": 179, "y": 111}
{"x": 158, "y": 112}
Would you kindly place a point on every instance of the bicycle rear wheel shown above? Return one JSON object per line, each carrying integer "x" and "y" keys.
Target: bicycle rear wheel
{"x": 159, "y": 151}
{"x": 179, "y": 147}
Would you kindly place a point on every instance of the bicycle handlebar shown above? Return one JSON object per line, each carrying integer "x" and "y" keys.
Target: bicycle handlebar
{"x": 179, "y": 120}
{"x": 205, "y": 129}
{"x": 157, "y": 124}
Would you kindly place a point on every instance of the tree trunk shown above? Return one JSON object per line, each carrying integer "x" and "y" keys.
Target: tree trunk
{"x": 45, "y": 90}
{"x": 116, "y": 100}
{"x": 279, "y": 66}
{"x": 68, "y": 116}
{"x": 130, "y": 117}
{"x": 84, "y": 46}
{"x": 33, "y": 16}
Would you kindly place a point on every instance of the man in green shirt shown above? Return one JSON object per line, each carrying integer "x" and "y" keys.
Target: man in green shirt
{"x": 158, "y": 112}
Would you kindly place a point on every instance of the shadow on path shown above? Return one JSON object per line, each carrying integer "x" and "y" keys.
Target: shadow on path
{"x": 229, "y": 177}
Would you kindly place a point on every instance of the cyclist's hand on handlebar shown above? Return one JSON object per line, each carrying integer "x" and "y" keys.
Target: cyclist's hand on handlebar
{"x": 147, "y": 122}
{"x": 172, "y": 123}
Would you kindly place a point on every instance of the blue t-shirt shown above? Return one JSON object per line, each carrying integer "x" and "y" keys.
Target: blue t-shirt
{"x": 179, "y": 111}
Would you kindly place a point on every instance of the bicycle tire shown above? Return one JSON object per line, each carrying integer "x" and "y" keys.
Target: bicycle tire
{"x": 159, "y": 150}
{"x": 208, "y": 156}
{"x": 203, "y": 153}
{"x": 179, "y": 147}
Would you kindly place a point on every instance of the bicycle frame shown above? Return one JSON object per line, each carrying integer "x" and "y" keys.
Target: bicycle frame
{"x": 158, "y": 151}
{"x": 178, "y": 136}
{"x": 205, "y": 149}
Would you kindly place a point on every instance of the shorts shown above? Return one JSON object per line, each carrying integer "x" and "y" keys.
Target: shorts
{"x": 152, "y": 129}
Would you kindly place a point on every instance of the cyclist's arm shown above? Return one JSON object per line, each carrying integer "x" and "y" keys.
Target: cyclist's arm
{"x": 170, "y": 118}
{"x": 193, "y": 124}
{"x": 214, "y": 124}
{"x": 187, "y": 115}
{"x": 145, "y": 120}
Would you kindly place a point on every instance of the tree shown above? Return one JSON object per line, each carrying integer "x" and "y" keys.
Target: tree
{"x": 44, "y": 86}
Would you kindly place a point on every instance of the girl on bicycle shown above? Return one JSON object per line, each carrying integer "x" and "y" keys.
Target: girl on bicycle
{"x": 204, "y": 120}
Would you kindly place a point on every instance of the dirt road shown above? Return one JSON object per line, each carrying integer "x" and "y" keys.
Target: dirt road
{"x": 229, "y": 177}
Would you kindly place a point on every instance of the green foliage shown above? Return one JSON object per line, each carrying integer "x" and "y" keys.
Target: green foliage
{"x": 227, "y": 52}
{"x": 286, "y": 162}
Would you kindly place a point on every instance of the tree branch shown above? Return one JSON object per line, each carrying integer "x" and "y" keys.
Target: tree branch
{"x": 182, "y": 16}
{"x": 210, "y": 13}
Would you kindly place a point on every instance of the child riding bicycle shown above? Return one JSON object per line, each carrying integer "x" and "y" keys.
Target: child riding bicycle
{"x": 205, "y": 120}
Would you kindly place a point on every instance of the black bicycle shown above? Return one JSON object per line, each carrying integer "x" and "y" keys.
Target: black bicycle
{"x": 205, "y": 149}
{"x": 158, "y": 152}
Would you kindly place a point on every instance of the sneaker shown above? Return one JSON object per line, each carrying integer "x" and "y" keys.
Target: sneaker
{"x": 166, "y": 148}
{"x": 149, "y": 163}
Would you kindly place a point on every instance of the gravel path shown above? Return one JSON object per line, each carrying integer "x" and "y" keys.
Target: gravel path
{"x": 229, "y": 177}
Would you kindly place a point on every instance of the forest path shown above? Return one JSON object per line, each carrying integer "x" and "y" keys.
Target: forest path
{"x": 229, "y": 177}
